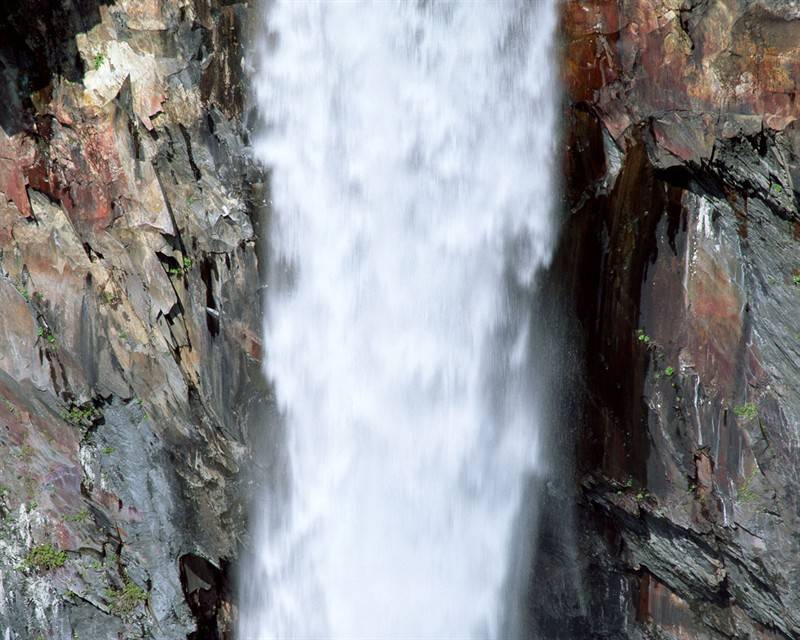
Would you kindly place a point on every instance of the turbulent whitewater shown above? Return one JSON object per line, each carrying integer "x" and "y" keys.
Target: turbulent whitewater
{"x": 411, "y": 155}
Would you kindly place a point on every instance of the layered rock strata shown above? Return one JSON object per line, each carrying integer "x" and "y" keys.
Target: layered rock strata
{"x": 682, "y": 159}
{"x": 129, "y": 334}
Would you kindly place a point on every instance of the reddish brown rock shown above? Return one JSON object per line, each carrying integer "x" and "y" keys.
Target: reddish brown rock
{"x": 681, "y": 163}
{"x": 125, "y": 216}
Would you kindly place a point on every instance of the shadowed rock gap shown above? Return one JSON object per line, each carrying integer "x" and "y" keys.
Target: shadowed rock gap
{"x": 37, "y": 43}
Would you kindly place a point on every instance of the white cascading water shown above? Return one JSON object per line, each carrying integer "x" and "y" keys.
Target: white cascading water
{"x": 411, "y": 154}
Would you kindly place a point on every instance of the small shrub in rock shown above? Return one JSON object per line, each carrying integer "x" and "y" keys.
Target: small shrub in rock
{"x": 80, "y": 516}
{"x": 23, "y": 292}
{"x": 81, "y": 416}
{"x": 124, "y": 601}
{"x": 44, "y": 332}
{"x": 110, "y": 298}
{"x": 45, "y": 557}
{"x": 26, "y": 452}
{"x": 748, "y": 411}
{"x": 746, "y": 493}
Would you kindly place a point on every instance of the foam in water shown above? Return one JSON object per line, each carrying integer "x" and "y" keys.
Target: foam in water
{"x": 411, "y": 153}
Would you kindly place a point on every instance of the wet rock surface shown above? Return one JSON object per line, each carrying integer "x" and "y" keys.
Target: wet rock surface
{"x": 681, "y": 161}
{"x": 129, "y": 334}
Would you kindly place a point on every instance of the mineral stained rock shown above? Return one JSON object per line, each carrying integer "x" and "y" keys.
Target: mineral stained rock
{"x": 129, "y": 326}
{"x": 681, "y": 156}
{"x": 129, "y": 321}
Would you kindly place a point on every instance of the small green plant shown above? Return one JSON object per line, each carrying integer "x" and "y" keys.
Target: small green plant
{"x": 45, "y": 557}
{"x": 10, "y": 406}
{"x": 623, "y": 486}
{"x": 179, "y": 272}
{"x": 777, "y": 188}
{"x": 126, "y": 600}
{"x": 746, "y": 493}
{"x": 629, "y": 487}
{"x": 81, "y": 416}
{"x": 107, "y": 451}
{"x": 641, "y": 336}
{"x": 96, "y": 565}
{"x": 98, "y": 61}
{"x": 38, "y": 296}
{"x": 80, "y": 516}
{"x": 109, "y": 298}
{"x": 26, "y": 453}
{"x": 669, "y": 371}
{"x": 23, "y": 292}
{"x": 46, "y": 334}
{"x": 748, "y": 411}
{"x": 796, "y": 279}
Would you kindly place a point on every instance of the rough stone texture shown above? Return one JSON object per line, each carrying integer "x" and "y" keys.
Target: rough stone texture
{"x": 129, "y": 326}
{"x": 129, "y": 343}
{"x": 682, "y": 156}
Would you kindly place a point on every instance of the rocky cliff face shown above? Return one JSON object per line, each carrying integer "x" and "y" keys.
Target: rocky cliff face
{"x": 129, "y": 334}
{"x": 129, "y": 348}
{"x": 682, "y": 156}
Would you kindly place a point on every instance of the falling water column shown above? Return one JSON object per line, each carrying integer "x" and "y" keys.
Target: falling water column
{"x": 410, "y": 148}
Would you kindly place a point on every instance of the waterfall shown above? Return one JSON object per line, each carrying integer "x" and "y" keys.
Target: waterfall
{"x": 410, "y": 148}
